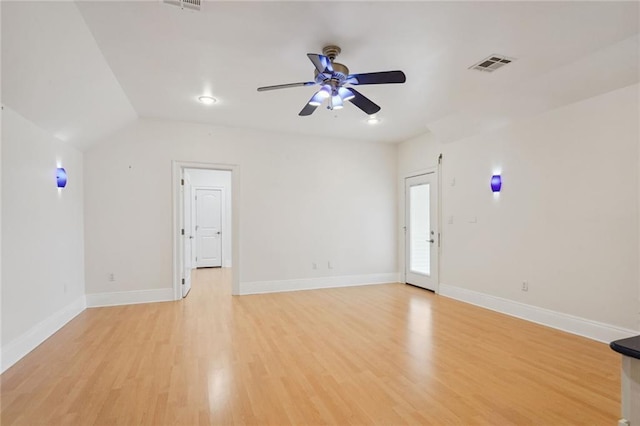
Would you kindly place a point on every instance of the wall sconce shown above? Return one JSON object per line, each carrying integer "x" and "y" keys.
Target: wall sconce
{"x": 61, "y": 177}
{"x": 496, "y": 183}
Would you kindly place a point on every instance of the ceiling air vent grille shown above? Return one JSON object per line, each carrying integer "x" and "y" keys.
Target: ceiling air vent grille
{"x": 186, "y": 4}
{"x": 492, "y": 63}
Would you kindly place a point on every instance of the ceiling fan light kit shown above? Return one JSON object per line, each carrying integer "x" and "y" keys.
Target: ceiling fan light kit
{"x": 345, "y": 94}
{"x": 315, "y": 100}
{"x": 324, "y": 92}
{"x": 332, "y": 77}
{"x": 320, "y": 96}
{"x": 336, "y": 102}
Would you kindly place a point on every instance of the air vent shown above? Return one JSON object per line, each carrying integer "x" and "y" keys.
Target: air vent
{"x": 185, "y": 4}
{"x": 492, "y": 63}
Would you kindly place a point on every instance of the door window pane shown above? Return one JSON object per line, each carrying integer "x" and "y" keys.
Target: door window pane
{"x": 419, "y": 228}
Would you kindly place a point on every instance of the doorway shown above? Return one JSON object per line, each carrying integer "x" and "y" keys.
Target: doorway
{"x": 206, "y": 225}
{"x": 422, "y": 237}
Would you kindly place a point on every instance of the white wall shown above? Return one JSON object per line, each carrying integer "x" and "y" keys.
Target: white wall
{"x": 566, "y": 220}
{"x": 201, "y": 178}
{"x": 42, "y": 232}
{"x": 302, "y": 200}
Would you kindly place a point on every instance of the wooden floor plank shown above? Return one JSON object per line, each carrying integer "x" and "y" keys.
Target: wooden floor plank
{"x": 383, "y": 354}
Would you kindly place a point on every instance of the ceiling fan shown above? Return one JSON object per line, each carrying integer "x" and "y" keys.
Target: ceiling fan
{"x": 333, "y": 79}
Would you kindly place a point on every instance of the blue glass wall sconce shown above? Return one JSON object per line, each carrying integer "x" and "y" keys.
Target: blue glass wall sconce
{"x": 496, "y": 183}
{"x": 61, "y": 177}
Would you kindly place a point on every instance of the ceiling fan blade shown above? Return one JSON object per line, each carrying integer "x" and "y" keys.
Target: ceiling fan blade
{"x": 383, "y": 77}
{"x": 364, "y": 103}
{"x": 307, "y": 110}
{"x": 286, "y": 86}
{"x": 321, "y": 62}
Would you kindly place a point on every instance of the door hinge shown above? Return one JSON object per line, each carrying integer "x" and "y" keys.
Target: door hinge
{"x": 182, "y": 231}
{"x": 438, "y": 239}
{"x": 196, "y": 258}
{"x": 181, "y": 181}
{"x": 183, "y": 281}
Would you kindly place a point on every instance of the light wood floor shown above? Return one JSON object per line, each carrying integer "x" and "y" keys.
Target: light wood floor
{"x": 386, "y": 354}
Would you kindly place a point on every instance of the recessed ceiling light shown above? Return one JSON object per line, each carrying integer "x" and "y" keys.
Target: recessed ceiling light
{"x": 373, "y": 120}
{"x": 207, "y": 100}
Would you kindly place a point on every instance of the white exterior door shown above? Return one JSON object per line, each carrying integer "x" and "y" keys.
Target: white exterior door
{"x": 421, "y": 231}
{"x": 187, "y": 236}
{"x": 208, "y": 228}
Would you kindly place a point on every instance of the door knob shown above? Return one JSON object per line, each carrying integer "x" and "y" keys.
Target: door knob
{"x": 431, "y": 241}
{"x": 218, "y": 232}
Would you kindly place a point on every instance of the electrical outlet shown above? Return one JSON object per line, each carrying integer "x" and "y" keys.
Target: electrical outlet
{"x": 314, "y": 265}
{"x": 329, "y": 265}
{"x": 65, "y": 288}
{"x": 525, "y": 286}
{"x": 111, "y": 277}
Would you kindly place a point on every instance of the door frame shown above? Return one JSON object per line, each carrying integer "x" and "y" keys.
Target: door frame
{"x": 186, "y": 201}
{"x": 177, "y": 168}
{"x": 403, "y": 215}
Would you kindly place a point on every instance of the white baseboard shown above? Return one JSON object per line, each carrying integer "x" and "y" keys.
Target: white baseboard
{"x": 259, "y": 287}
{"x": 118, "y": 298}
{"x": 28, "y": 341}
{"x": 572, "y": 324}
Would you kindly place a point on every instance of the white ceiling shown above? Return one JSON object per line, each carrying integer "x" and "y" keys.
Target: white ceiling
{"x": 88, "y": 68}
{"x": 54, "y": 74}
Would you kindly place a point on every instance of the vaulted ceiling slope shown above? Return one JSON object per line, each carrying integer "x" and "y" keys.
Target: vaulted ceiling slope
{"x": 83, "y": 69}
{"x": 54, "y": 74}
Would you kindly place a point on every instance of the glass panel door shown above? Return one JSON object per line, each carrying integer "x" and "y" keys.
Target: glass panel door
{"x": 421, "y": 231}
{"x": 419, "y": 237}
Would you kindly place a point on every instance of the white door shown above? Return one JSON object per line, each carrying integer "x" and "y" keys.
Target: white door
{"x": 194, "y": 251}
{"x": 208, "y": 228}
{"x": 187, "y": 236}
{"x": 421, "y": 231}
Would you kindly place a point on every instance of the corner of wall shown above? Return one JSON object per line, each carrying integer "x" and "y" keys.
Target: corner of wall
{"x": 28, "y": 341}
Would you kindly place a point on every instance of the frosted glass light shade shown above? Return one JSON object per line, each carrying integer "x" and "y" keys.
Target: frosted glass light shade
{"x": 61, "y": 177}
{"x": 496, "y": 183}
{"x": 336, "y": 102}
{"x": 345, "y": 94}
{"x": 324, "y": 92}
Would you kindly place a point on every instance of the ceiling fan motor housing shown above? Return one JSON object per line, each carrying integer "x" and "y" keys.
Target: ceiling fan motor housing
{"x": 340, "y": 73}
{"x": 331, "y": 52}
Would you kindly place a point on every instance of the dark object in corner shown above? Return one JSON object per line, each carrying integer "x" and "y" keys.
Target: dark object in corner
{"x": 629, "y": 347}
